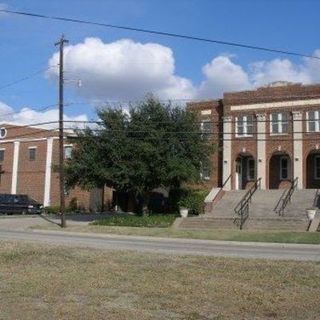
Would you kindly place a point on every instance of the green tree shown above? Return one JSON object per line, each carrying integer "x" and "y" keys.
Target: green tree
{"x": 151, "y": 145}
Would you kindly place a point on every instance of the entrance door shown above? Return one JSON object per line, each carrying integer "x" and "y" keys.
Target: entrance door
{"x": 239, "y": 174}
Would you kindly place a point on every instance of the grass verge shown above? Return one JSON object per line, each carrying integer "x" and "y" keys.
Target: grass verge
{"x": 159, "y": 221}
{"x": 38, "y": 282}
{"x": 228, "y": 235}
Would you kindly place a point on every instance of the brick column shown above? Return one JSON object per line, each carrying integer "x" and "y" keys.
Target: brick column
{"x": 297, "y": 147}
{"x": 261, "y": 149}
{"x": 227, "y": 166}
{"x": 14, "y": 182}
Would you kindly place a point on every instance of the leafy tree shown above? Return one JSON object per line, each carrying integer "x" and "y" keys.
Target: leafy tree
{"x": 152, "y": 145}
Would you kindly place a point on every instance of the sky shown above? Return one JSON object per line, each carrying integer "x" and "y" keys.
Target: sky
{"x": 117, "y": 67}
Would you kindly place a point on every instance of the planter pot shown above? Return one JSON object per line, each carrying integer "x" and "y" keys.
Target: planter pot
{"x": 311, "y": 213}
{"x": 184, "y": 212}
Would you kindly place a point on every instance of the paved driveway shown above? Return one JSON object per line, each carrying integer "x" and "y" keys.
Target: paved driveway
{"x": 19, "y": 222}
{"x": 169, "y": 246}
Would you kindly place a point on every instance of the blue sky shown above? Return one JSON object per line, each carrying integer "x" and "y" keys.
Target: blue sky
{"x": 27, "y": 44}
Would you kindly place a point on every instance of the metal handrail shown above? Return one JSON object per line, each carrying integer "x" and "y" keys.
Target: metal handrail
{"x": 226, "y": 181}
{"x": 286, "y": 198}
{"x": 242, "y": 208}
{"x": 316, "y": 199}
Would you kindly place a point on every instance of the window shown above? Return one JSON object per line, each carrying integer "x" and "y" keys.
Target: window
{"x": 251, "y": 170}
{"x": 317, "y": 167}
{"x": 284, "y": 168}
{"x": 67, "y": 152}
{"x": 279, "y": 123}
{"x": 32, "y": 154}
{"x": 313, "y": 121}
{"x": 206, "y": 126}
{"x": 1, "y": 155}
{"x": 244, "y": 126}
{"x": 205, "y": 171}
{"x": 3, "y": 133}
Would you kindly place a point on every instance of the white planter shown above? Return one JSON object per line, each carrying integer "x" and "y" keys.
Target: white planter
{"x": 184, "y": 212}
{"x": 311, "y": 214}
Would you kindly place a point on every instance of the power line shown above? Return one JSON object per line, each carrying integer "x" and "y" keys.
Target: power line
{"x": 10, "y": 84}
{"x": 181, "y": 139}
{"x": 161, "y": 33}
{"x": 29, "y": 108}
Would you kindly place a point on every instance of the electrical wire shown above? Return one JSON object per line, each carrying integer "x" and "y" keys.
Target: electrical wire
{"x": 10, "y": 84}
{"x": 161, "y": 33}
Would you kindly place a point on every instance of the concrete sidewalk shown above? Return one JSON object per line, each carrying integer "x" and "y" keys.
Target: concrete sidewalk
{"x": 174, "y": 246}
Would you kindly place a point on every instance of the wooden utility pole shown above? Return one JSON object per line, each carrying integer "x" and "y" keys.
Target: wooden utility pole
{"x": 61, "y": 43}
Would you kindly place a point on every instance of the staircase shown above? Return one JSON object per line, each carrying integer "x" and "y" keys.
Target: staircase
{"x": 261, "y": 213}
{"x": 221, "y": 216}
{"x": 263, "y": 217}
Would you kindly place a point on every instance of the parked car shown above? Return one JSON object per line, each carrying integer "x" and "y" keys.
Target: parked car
{"x": 19, "y": 203}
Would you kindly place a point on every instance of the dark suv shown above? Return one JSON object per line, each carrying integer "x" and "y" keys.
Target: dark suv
{"x": 19, "y": 203}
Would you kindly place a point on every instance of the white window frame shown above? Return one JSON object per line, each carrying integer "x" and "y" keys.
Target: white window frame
{"x": 64, "y": 153}
{"x": 248, "y": 169}
{"x": 35, "y": 152}
{"x": 281, "y": 167}
{"x": 4, "y": 130}
{"x": 315, "y": 168}
{"x": 316, "y": 120}
{"x": 279, "y": 123}
{"x": 205, "y": 177}
{"x": 4, "y": 152}
{"x": 245, "y": 126}
{"x": 202, "y": 126}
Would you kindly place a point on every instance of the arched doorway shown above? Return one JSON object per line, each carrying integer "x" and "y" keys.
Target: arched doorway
{"x": 280, "y": 170}
{"x": 245, "y": 171}
{"x": 313, "y": 170}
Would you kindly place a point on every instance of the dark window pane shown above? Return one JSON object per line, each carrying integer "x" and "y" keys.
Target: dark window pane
{"x": 32, "y": 154}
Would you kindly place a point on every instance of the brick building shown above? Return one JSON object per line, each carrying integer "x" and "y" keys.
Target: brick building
{"x": 272, "y": 133}
{"x": 28, "y": 157}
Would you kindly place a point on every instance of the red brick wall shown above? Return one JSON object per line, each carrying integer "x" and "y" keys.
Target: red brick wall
{"x": 215, "y": 106}
{"x": 31, "y": 173}
{"x": 5, "y": 183}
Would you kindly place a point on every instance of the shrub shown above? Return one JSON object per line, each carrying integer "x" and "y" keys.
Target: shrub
{"x": 158, "y": 221}
{"x": 73, "y": 205}
{"x": 193, "y": 200}
{"x": 52, "y": 209}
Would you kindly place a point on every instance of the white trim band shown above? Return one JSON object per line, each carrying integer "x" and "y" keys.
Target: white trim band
{"x": 47, "y": 181}
{"x": 296, "y": 103}
{"x": 14, "y": 182}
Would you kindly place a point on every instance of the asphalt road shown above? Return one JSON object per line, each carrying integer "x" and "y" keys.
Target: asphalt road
{"x": 169, "y": 246}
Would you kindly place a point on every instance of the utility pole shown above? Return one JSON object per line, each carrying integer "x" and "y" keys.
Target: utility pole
{"x": 61, "y": 43}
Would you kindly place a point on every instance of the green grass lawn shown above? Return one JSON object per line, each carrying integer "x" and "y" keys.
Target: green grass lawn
{"x": 47, "y": 282}
{"x": 229, "y": 235}
{"x": 152, "y": 221}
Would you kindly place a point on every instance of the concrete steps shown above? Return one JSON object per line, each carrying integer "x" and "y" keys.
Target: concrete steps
{"x": 300, "y": 201}
{"x": 279, "y": 224}
{"x": 225, "y": 207}
{"x": 261, "y": 214}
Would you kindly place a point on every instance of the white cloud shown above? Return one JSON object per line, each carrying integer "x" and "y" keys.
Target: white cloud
{"x": 278, "y": 70}
{"x": 30, "y": 116}
{"x": 127, "y": 70}
{"x": 123, "y": 70}
{"x": 221, "y": 75}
